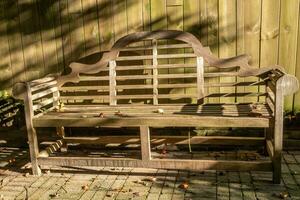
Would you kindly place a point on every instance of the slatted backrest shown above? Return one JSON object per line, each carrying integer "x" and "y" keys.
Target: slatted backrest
{"x": 149, "y": 67}
{"x": 153, "y": 80}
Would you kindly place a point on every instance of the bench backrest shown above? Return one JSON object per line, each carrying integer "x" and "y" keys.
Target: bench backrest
{"x": 163, "y": 67}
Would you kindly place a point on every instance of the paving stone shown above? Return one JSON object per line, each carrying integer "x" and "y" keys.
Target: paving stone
{"x": 99, "y": 195}
{"x": 128, "y": 183}
{"x": 289, "y": 158}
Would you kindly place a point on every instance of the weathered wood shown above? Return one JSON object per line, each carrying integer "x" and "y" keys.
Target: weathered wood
{"x": 145, "y": 143}
{"x": 239, "y": 61}
{"x": 150, "y": 57}
{"x": 200, "y": 80}
{"x": 43, "y": 85}
{"x": 159, "y": 121}
{"x": 228, "y": 165}
{"x": 54, "y": 147}
{"x": 32, "y": 138}
{"x": 166, "y": 46}
{"x": 44, "y": 103}
{"x": 278, "y": 132}
{"x": 155, "y": 72}
{"x": 60, "y": 131}
{"x": 289, "y": 17}
{"x": 112, "y": 83}
{"x": 44, "y": 93}
{"x": 178, "y": 140}
{"x": 270, "y": 148}
{"x": 155, "y": 82}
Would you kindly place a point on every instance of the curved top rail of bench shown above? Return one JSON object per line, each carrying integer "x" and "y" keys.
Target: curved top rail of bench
{"x": 240, "y": 61}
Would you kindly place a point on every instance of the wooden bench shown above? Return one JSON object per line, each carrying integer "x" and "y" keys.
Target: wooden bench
{"x": 160, "y": 79}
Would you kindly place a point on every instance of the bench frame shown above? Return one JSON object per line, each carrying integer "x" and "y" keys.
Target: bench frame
{"x": 278, "y": 82}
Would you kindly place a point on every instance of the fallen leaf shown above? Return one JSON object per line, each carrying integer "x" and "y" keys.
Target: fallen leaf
{"x": 84, "y": 187}
{"x": 150, "y": 179}
{"x": 136, "y": 193}
{"x": 101, "y": 115}
{"x": 254, "y": 114}
{"x": 160, "y": 111}
{"x": 53, "y": 195}
{"x": 138, "y": 181}
{"x": 294, "y": 172}
{"x": 48, "y": 172}
{"x": 284, "y": 195}
{"x": 184, "y": 185}
{"x": 108, "y": 195}
{"x": 221, "y": 173}
{"x": 27, "y": 174}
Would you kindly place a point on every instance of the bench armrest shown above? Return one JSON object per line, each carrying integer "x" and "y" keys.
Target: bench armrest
{"x": 37, "y": 94}
{"x": 287, "y": 84}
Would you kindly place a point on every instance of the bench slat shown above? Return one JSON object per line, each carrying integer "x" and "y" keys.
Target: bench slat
{"x": 175, "y": 85}
{"x": 136, "y": 77}
{"x": 43, "y": 85}
{"x": 149, "y": 57}
{"x": 84, "y": 88}
{"x": 168, "y": 46}
{"x": 44, "y": 103}
{"x": 40, "y": 81}
{"x": 175, "y": 164}
{"x": 179, "y": 121}
{"x": 44, "y": 93}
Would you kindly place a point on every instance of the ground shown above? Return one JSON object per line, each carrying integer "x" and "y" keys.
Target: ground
{"x": 125, "y": 183}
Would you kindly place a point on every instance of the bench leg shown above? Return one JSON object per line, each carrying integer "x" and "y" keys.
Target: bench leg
{"x": 278, "y": 141}
{"x": 278, "y": 136}
{"x": 145, "y": 143}
{"x": 34, "y": 150}
{"x": 269, "y": 132}
{"x": 61, "y": 132}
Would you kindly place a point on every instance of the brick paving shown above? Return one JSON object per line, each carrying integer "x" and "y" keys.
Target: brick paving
{"x": 125, "y": 183}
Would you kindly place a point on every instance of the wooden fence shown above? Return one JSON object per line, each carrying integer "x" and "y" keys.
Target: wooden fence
{"x": 38, "y": 37}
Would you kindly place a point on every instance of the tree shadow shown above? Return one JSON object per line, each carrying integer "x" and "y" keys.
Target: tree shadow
{"x": 44, "y": 36}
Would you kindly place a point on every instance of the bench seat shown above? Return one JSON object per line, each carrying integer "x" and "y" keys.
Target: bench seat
{"x": 207, "y": 115}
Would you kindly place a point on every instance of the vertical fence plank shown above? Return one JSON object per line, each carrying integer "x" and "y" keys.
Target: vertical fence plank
{"x": 146, "y": 15}
{"x": 212, "y": 41}
{"x": 191, "y": 23}
{"x": 158, "y": 15}
{"x": 46, "y": 20}
{"x": 91, "y": 28}
{"x": 159, "y": 22}
{"x": 5, "y": 62}
{"x": 31, "y": 40}
{"x": 120, "y": 18}
{"x": 65, "y": 32}
{"x": 105, "y": 14}
{"x": 249, "y": 31}
{"x": 76, "y": 29}
{"x": 58, "y": 36}
{"x": 134, "y": 16}
{"x": 175, "y": 22}
{"x": 269, "y": 32}
{"x": 227, "y": 39}
{"x": 288, "y": 40}
{"x": 14, "y": 41}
